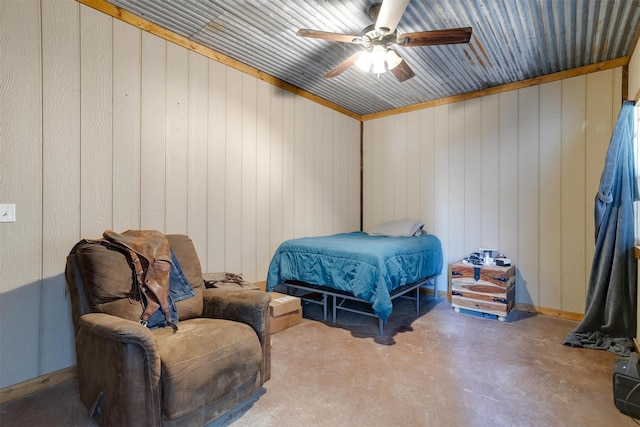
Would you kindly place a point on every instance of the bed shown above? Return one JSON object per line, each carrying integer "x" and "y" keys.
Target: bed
{"x": 357, "y": 266}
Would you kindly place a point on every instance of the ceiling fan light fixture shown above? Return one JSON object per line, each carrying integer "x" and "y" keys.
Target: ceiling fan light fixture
{"x": 364, "y": 62}
{"x": 379, "y": 60}
{"x": 376, "y": 56}
{"x": 378, "y": 68}
{"x": 392, "y": 58}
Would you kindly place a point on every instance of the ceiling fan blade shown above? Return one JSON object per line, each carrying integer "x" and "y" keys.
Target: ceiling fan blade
{"x": 344, "y": 38}
{"x": 402, "y": 71}
{"x": 390, "y": 14}
{"x": 428, "y": 38}
{"x": 344, "y": 65}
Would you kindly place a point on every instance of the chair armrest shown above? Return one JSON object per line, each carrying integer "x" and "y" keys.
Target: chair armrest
{"x": 113, "y": 331}
{"x": 242, "y": 305}
{"x": 246, "y": 306}
{"x": 117, "y": 329}
{"x": 120, "y": 359}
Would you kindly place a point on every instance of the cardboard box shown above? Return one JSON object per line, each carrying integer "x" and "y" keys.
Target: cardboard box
{"x": 282, "y": 304}
{"x": 285, "y": 311}
{"x": 286, "y": 321}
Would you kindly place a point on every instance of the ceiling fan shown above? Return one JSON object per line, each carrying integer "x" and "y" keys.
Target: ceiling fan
{"x": 377, "y": 56}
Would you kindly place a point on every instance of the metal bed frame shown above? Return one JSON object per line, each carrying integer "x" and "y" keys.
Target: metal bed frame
{"x": 338, "y": 298}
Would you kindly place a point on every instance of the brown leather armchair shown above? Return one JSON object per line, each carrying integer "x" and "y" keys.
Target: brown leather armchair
{"x": 135, "y": 376}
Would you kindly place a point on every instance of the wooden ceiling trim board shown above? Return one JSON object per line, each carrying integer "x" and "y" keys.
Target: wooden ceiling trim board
{"x": 547, "y": 78}
{"x": 125, "y": 16}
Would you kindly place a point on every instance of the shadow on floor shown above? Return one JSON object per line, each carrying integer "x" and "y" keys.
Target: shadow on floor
{"x": 363, "y": 326}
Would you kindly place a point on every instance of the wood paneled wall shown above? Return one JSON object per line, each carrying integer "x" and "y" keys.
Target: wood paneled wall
{"x": 517, "y": 171}
{"x": 104, "y": 126}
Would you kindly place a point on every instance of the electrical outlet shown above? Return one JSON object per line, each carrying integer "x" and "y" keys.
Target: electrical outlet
{"x": 7, "y": 213}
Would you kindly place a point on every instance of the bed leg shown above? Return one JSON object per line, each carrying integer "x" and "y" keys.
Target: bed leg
{"x": 418, "y": 301}
{"x": 324, "y": 306}
{"x": 334, "y": 308}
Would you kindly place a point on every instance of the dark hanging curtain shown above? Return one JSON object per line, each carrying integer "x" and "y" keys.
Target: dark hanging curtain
{"x": 609, "y": 321}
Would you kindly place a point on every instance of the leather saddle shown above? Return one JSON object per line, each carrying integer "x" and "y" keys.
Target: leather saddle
{"x": 151, "y": 260}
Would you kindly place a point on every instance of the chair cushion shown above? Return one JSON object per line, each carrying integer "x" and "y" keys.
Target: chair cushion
{"x": 205, "y": 360}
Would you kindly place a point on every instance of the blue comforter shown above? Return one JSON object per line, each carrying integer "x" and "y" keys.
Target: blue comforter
{"x": 369, "y": 267}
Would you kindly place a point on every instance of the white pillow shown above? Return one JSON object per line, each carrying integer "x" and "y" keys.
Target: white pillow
{"x": 398, "y": 228}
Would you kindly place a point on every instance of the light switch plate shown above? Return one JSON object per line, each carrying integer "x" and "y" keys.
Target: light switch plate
{"x": 7, "y": 213}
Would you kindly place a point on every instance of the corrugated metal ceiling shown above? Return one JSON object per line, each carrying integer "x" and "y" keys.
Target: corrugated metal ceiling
{"x": 511, "y": 41}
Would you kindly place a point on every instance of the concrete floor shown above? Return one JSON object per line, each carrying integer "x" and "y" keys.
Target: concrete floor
{"x": 440, "y": 369}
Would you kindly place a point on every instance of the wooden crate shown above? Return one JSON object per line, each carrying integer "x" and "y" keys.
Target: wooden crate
{"x": 485, "y": 289}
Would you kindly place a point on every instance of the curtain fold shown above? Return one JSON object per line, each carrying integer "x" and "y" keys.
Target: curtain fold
{"x": 609, "y": 322}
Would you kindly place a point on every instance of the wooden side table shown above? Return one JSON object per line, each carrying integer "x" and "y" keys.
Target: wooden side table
{"x": 486, "y": 289}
